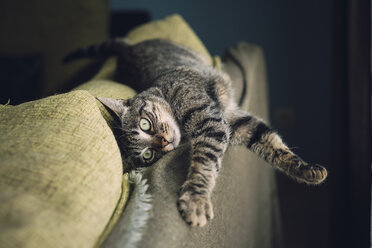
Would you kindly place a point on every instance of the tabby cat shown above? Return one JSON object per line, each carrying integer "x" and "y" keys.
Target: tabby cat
{"x": 183, "y": 96}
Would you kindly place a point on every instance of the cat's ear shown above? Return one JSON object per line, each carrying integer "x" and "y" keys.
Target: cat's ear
{"x": 118, "y": 106}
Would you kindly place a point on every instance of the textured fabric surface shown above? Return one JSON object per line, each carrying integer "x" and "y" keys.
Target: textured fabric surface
{"x": 60, "y": 172}
{"x": 121, "y": 204}
{"x": 244, "y": 198}
{"x": 172, "y": 28}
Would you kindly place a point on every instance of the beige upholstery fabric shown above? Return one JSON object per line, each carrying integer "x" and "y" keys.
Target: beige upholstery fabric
{"x": 60, "y": 172}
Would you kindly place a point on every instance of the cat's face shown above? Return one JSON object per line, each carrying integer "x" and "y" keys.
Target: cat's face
{"x": 148, "y": 129}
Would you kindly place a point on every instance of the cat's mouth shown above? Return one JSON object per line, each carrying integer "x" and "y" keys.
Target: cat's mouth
{"x": 168, "y": 147}
{"x": 165, "y": 143}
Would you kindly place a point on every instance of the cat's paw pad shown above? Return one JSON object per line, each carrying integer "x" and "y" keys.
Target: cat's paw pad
{"x": 196, "y": 210}
{"x": 313, "y": 174}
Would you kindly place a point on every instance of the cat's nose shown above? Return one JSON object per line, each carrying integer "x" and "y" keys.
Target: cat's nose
{"x": 164, "y": 142}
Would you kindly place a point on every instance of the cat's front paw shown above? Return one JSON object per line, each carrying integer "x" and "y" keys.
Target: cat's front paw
{"x": 313, "y": 174}
{"x": 195, "y": 209}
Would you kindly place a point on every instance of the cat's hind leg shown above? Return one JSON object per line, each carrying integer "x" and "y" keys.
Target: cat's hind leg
{"x": 257, "y": 136}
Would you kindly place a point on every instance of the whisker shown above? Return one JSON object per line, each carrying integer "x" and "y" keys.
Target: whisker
{"x": 293, "y": 148}
{"x": 120, "y": 128}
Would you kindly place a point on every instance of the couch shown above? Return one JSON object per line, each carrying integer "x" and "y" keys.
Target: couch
{"x": 61, "y": 174}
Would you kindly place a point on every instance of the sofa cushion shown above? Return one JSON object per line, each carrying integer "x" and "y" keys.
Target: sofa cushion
{"x": 172, "y": 28}
{"x": 60, "y": 172}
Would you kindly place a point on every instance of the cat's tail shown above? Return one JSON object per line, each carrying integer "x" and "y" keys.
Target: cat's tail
{"x": 106, "y": 49}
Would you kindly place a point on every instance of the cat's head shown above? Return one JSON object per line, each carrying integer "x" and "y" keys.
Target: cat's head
{"x": 148, "y": 128}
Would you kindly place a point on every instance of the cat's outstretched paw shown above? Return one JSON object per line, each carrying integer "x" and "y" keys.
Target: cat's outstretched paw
{"x": 195, "y": 209}
{"x": 312, "y": 174}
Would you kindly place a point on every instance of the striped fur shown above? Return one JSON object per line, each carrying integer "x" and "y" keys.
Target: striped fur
{"x": 181, "y": 90}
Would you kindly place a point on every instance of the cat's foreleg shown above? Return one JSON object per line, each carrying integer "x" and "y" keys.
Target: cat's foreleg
{"x": 257, "y": 136}
{"x": 209, "y": 143}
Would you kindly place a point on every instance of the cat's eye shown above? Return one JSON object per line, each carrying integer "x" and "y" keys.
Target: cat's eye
{"x": 145, "y": 124}
{"x": 148, "y": 154}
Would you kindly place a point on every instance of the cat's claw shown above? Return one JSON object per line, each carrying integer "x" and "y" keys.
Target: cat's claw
{"x": 196, "y": 210}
